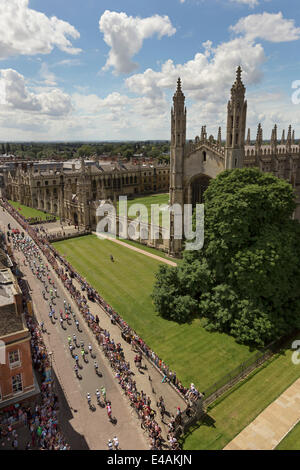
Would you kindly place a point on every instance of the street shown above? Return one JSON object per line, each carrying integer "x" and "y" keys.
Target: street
{"x": 94, "y": 425}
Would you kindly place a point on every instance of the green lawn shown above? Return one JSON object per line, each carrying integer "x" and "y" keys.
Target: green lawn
{"x": 197, "y": 355}
{"x": 29, "y": 212}
{"x": 234, "y": 411}
{"x": 292, "y": 440}
{"x": 147, "y": 201}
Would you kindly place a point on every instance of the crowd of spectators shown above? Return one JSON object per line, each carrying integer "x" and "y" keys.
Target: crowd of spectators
{"x": 115, "y": 354}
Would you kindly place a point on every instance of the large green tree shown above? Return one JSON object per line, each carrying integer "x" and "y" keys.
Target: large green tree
{"x": 246, "y": 279}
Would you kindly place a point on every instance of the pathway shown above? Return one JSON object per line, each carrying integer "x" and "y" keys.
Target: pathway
{"x": 139, "y": 250}
{"x": 272, "y": 425}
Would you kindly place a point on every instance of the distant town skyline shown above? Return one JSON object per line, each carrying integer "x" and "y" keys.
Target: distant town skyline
{"x": 106, "y": 71}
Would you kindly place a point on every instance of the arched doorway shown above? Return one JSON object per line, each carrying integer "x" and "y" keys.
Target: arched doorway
{"x": 197, "y": 188}
{"x": 75, "y": 218}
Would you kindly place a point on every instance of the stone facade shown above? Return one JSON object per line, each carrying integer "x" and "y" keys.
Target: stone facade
{"x": 74, "y": 193}
{"x": 194, "y": 163}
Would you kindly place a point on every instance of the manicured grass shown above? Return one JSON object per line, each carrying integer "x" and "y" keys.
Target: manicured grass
{"x": 195, "y": 354}
{"x": 292, "y": 440}
{"x": 29, "y": 212}
{"x": 147, "y": 201}
{"x": 234, "y": 411}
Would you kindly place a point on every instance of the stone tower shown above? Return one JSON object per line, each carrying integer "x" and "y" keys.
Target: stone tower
{"x": 83, "y": 195}
{"x": 236, "y": 124}
{"x": 178, "y": 139}
{"x": 178, "y": 136}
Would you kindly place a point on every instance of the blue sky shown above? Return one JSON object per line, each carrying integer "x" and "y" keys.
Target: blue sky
{"x": 101, "y": 70}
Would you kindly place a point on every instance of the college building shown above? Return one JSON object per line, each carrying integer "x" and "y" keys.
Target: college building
{"x": 17, "y": 379}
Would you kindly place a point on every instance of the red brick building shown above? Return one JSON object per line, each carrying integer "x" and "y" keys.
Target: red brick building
{"x": 17, "y": 379}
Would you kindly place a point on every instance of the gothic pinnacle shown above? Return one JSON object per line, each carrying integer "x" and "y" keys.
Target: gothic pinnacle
{"x": 248, "y": 137}
{"x": 289, "y": 137}
{"x": 179, "y": 84}
{"x": 219, "y": 137}
{"x": 239, "y": 74}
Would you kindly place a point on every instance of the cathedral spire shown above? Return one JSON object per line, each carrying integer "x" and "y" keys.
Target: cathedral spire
{"x": 289, "y": 138}
{"x": 178, "y": 94}
{"x": 293, "y": 137}
{"x": 274, "y": 136}
{"x": 282, "y": 137}
{"x": 259, "y": 135}
{"x": 179, "y": 84}
{"x": 236, "y": 124}
{"x": 219, "y": 137}
{"x": 239, "y": 74}
{"x": 248, "y": 141}
{"x": 178, "y": 114}
{"x": 238, "y": 90}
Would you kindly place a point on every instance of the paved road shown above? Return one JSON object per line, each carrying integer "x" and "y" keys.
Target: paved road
{"x": 86, "y": 428}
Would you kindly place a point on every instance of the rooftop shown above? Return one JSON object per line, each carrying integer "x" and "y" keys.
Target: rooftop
{"x": 10, "y": 320}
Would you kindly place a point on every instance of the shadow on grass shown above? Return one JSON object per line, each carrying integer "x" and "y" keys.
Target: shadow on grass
{"x": 206, "y": 420}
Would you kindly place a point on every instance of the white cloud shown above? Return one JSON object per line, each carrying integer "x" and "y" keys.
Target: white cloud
{"x": 24, "y": 31}
{"x": 68, "y": 62}
{"x": 125, "y": 35}
{"x": 208, "y": 76}
{"x": 251, "y": 3}
{"x": 269, "y": 26}
{"x": 48, "y": 77}
{"x": 15, "y": 96}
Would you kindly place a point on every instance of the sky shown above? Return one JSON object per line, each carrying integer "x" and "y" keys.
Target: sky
{"x": 94, "y": 70}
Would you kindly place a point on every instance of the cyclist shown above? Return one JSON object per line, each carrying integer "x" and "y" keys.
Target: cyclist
{"x": 69, "y": 340}
{"x": 88, "y": 397}
{"x": 110, "y": 445}
{"x": 103, "y": 391}
{"x": 90, "y": 348}
{"x": 98, "y": 395}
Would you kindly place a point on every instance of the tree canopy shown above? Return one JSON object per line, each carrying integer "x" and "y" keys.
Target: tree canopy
{"x": 246, "y": 279}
